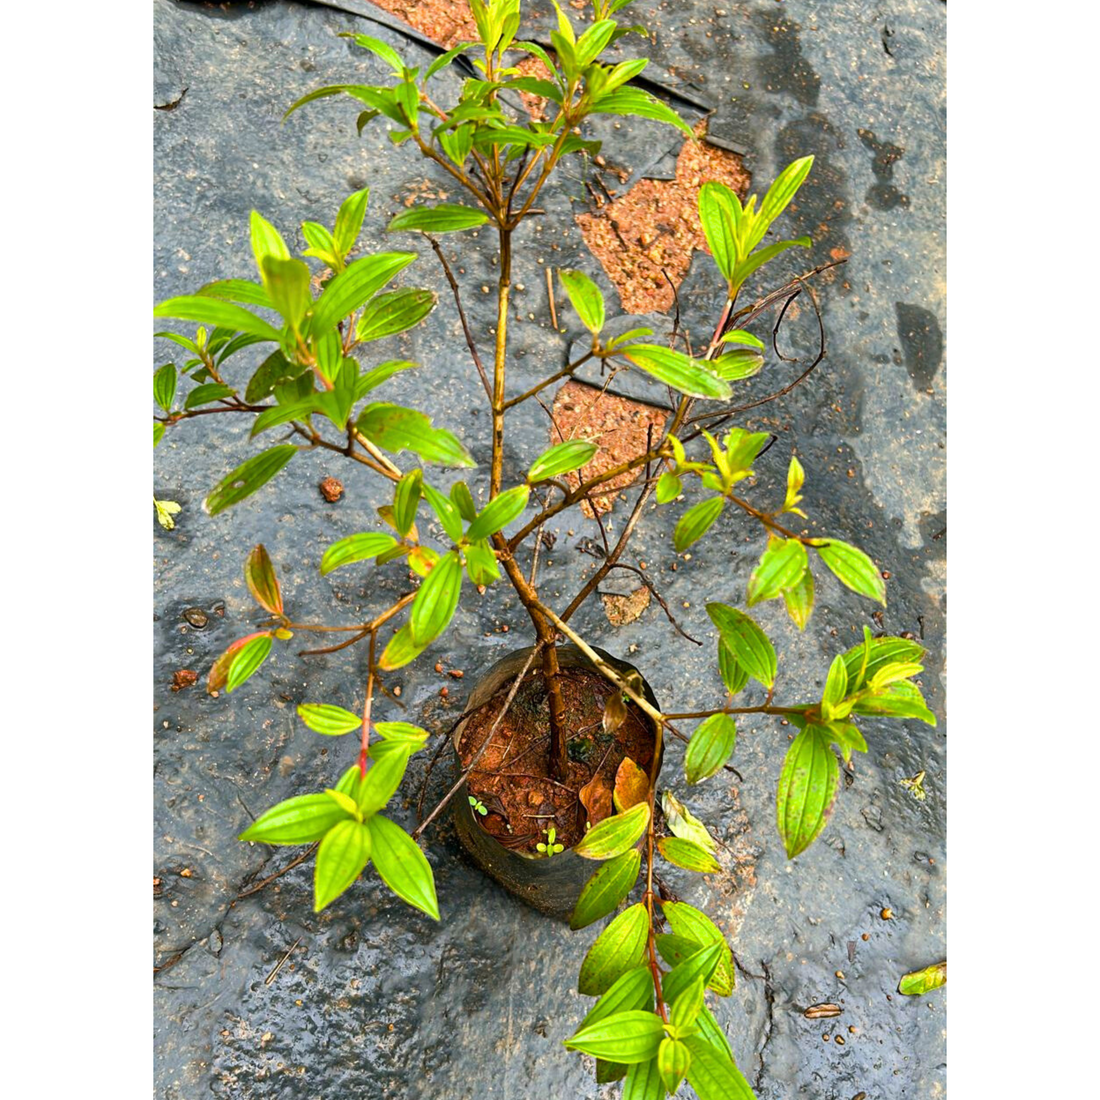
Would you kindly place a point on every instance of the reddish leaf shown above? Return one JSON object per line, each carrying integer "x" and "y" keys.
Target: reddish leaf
{"x": 219, "y": 671}
{"x": 259, "y": 575}
{"x": 631, "y": 785}
{"x": 595, "y": 797}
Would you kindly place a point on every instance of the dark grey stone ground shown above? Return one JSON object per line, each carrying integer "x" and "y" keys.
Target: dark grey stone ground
{"x": 377, "y": 1000}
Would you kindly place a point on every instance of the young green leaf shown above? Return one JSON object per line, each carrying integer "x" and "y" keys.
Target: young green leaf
{"x": 379, "y": 48}
{"x": 696, "y": 522}
{"x": 436, "y": 601}
{"x": 399, "y": 429}
{"x": 158, "y": 432}
{"x": 669, "y": 487}
{"x": 499, "y": 512}
{"x": 807, "y": 789}
{"x": 634, "y": 102}
{"x": 750, "y": 645}
{"x": 481, "y": 563}
{"x": 402, "y": 732}
{"x": 562, "y": 458}
{"x": 852, "y": 567}
{"x": 685, "y": 824}
{"x": 586, "y": 298}
{"x": 711, "y": 745}
{"x": 247, "y": 660}
{"x": 673, "y": 1061}
{"x": 692, "y": 377}
{"x": 778, "y": 198}
{"x": 737, "y": 365}
{"x": 267, "y": 241}
{"x": 719, "y": 213}
{"x": 617, "y": 949}
{"x": 248, "y": 477}
{"x": 383, "y": 777}
{"x": 328, "y": 719}
{"x": 344, "y": 852}
{"x": 164, "y": 386}
{"x": 615, "y": 834}
{"x": 633, "y": 989}
{"x": 464, "y": 501}
{"x": 394, "y": 312}
{"x": 349, "y": 221}
{"x": 712, "y": 1073}
{"x": 259, "y": 575}
{"x": 923, "y": 981}
{"x": 800, "y": 600}
{"x": 406, "y": 500}
{"x": 445, "y": 511}
{"x": 207, "y": 393}
{"x": 733, "y": 675}
{"x": 626, "y": 1037}
{"x": 865, "y": 660}
{"x": 900, "y": 700}
{"x": 741, "y": 336}
{"x": 688, "y": 855}
{"x": 287, "y": 282}
{"x": 445, "y": 218}
{"x": 606, "y": 888}
{"x": 402, "y": 865}
{"x": 836, "y": 689}
{"x": 698, "y": 965}
{"x": 299, "y": 820}
{"x": 781, "y": 566}
{"x": 361, "y": 547}
{"x": 354, "y": 286}
{"x": 400, "y": 650}
{"x": 643, "y": 1082}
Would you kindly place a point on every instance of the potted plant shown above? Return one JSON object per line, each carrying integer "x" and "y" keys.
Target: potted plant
{"x": 570, "y": 830}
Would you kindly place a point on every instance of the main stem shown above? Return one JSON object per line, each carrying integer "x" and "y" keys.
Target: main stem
{"x": 544, "y": 631}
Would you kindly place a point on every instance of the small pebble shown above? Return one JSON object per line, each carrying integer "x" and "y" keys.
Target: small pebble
{"x": 887, "y": 914}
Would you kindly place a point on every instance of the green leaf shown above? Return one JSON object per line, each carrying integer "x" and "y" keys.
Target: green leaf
{"x": 158, "y": 432}
{"x": 781, "y": 566}
{"x": 247, "y": 660}
{"x": 237, "y": 290}
{"x": 446, "y": 511}
{"x": 376, "y": 46}
{"x": 711, "y": 745}
{"x": 737, "y": 365}
{"x": 765, "y": 255}
{"x": 356, "y": 284}
{"x": 499, "y": 512}
{"x": 464, "y": 501}
{"x": 865, "y": 660}
{"x": 685, "y": 824}
{"x": 836, "y": 688}
{"x": 562, "y": 458}
{"x": 444, "y": 218}
{"x": 750, "y": 645}
{"x": 719, "y": 214}
{"x": 299, "y": 820}
{"x": 266, "y": 240}
{"x": 368, "y": 544}
{"x": 733, "y": 675}
{"x": 712, "y": 1073}
{"x": 207, "y": 393}
{"x": 688, "y": 922}
{"x": 631, "y": 990}
{"x": 606, "y": 888}
{"x": 403, "y": 733}
{"x": 688, "y": 855}
{"x": 673, "y": 1060}
{"x": 669, "y": 487}
{"x": 436, "y": 601}
{"x": 585, "y": 296}
{"x": 213, "y": 311}
{"x": 633, "y": 101}
{"x": 401, "y": 650}
{"x": 164, "y": 386}
{"x": 287, "y": 283}
{"x": 406, "y": 500}
{"x": 441, "y": 62}
{"x": 349, "y": 221}
{"x": 397, "y": 311}
{"x": 900, "y": 700}
{"x": 481, "y": 563}
{"x": 396, "y": 429}
{"x": 923, "y": 981}
{"x": 807, "y": 789}
{"x": 343, "y": 854}
{"x": 800, "y": 600}
{"x": 700, "y": 965}
{"x": 693, "y": 377}
{"x": 614, "y": 835}
{"x": 328, "y": 719}
{"x": 275, "y": 369}
{"x": 248, "y": 477}
{"x": 643, "y": 1082}
{"x": 741, "y": 336}
{"x": 402, "y": 865}
{"x": 696, "y": 522}
{"x": 852, "y": 567}
{"x": 383, "y": 777}
{"x": 626, "y": 1037}
{"x": 778, "y": 198}
{"x": 617, "y": 949}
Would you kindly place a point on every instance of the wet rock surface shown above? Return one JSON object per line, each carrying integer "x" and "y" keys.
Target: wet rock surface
{"x": 375, "y": 999}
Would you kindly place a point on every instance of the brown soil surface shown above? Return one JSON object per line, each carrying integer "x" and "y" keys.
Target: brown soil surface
{"x": 654, "y": 226}
{"x": 447, "y": 22}
{"x": 512, "y": 778}
{"x": 620, "y": 426}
